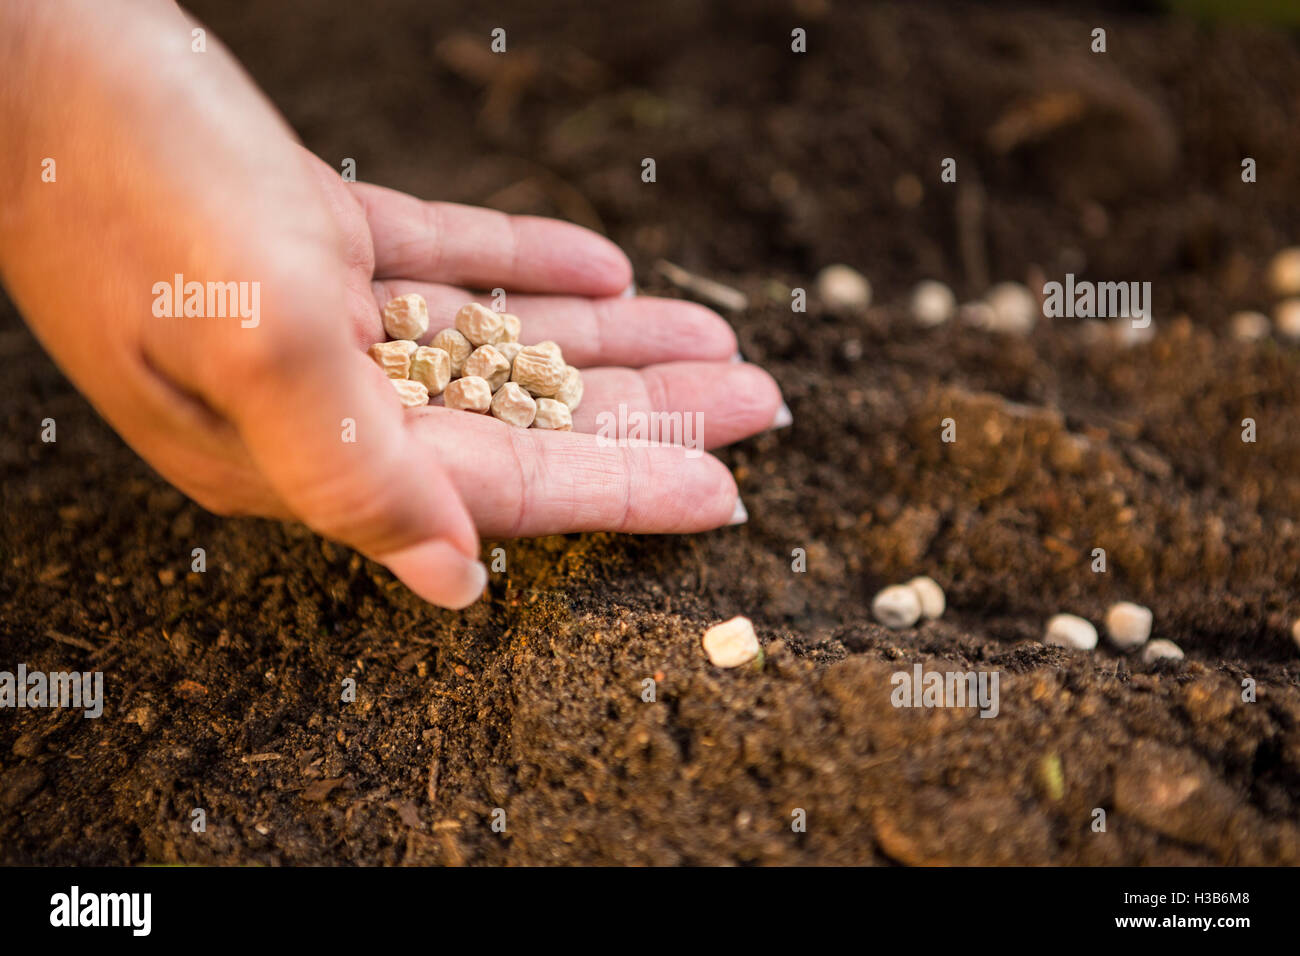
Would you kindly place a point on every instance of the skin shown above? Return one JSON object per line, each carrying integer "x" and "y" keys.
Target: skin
{"x": 184, "y": 167}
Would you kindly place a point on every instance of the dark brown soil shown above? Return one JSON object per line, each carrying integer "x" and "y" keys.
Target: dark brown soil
{"x": 224, "y": 687}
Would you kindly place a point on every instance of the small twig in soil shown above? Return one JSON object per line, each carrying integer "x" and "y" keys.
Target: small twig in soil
{"x": 714, "y": 293}
{"x": 1036, "y": 120}
{"x": 71, "y": 641}
{"x": 435, "y": 768}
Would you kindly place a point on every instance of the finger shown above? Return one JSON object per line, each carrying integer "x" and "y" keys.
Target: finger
{"x": 328, "y": 433}
{"x": 523, "y": 482}
{"x": 188, "y": 443}
{"x": 612, "y": 331}
{"x": 486, "y": 249}
{"x": 727, "y": 401}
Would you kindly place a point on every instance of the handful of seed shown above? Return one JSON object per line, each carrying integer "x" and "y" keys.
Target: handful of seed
{"x": 477, "y": 366}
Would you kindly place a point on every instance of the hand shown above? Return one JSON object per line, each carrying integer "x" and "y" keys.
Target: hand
{"x": 199, "y": 177}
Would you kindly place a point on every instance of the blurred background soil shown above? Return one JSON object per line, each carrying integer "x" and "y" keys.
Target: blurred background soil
{"x": 223, "y": 688}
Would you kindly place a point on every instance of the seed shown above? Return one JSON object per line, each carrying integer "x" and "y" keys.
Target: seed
{"x": 406, "y": 317}
{"x": 1249, "y": 326}
{"x": 550, "y": 348}
{"x": 1284, "y": 272}
{"x": 479, "y": 324}
{"x": 1067, "y": 630}
{"x": 930, "y": 595}
{"x": 540, "y": 369}
{"x": 1015, "y": 310}
{"x": 1161, "y": 650}
{"x": 1287, "y": 316}
{"x": 456, "y": 346}
{"x": 431, "y": 367}
{"x": 486, "y": 362}
{"x": 394, "y": 357}
{"x": 731, "y": 643}
{"x": 553, "y": 414}
{"x": 570, "y": 390}
{"x": 1128, "y": 625}
{"x": 1295, "y": 632}
{"x": 841, "y": 287}
{"x": 514, "y": 406}
{"x": 932, "y": 303}
{"x": 508, "y": 349}
{"x": 510, "y": 327}
{"x": 470, "y": 394}
{"x": 897, "y": 606}
{"x": 977, "y": 314}
{"x": 412, "y": 394}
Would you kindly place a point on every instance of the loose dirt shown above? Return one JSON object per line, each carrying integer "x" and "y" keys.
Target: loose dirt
{"x": 224, "y": 687}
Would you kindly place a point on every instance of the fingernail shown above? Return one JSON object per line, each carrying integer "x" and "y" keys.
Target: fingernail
{"x": 478, "y": 574}
{"x": 629, "y": 292}
{"x": 739, "y": 515}
{"x": 783, "y": 418}
{"x": 439, "y": 573}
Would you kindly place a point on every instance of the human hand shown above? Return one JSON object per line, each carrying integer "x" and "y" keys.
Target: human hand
{"x": 253, "y": 419}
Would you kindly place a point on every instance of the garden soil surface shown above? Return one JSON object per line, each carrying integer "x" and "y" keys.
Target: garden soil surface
{"x": 224, "y": 687}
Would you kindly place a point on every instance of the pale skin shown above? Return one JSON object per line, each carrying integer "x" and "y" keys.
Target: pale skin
{"x": 171, "y": 161}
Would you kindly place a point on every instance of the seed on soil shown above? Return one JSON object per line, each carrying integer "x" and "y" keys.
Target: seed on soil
{"x": 897, "y": 606}
{"x": 394, "y": 357}
{"x": 553, "y": 414}
{"x": 488, "y": 363}
{"x": 456, "y": 346}
{"x": 1014, "y": 308}
{"x": 1287, "y": 316}
{"x": 1069, "y": 630}
{"x": 412, "y": 394}
{"x": 930, "y": 595}
{"x": 406, "y": 317}
{"x": 540, "y": 369}
{"x": 514, "y": 406}
{"x": 479, "y": 324}
{"x": 1295, "y": 632}
{"x": 470, "y": 394}
{"x": 842, "y": 287}
{"x": 1128, "y": 625}
{"x": 1249, "y": 326}
{"x": 731, "y": 643}
{"x": 1284, "y": 272}
{"x": 932, "y": 303}
{"x": 977, "y": 314}
{"x": 432, "y": 368}
{"x": 1161, "y": 650}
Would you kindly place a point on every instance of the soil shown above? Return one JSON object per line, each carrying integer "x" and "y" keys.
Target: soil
{"x": 223, "y": 688}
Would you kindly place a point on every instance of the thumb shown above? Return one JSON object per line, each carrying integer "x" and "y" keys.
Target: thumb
{"x": 330, "y": 436}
